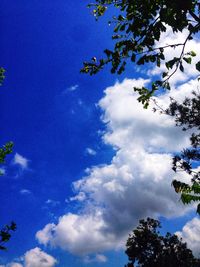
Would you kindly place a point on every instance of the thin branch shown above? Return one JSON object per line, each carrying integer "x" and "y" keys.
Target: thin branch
{"x": 194, "y": 16}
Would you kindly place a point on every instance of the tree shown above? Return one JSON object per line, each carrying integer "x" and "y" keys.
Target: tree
{"x": 187, "y": 116}
{"x": 138, "y": 26}
{"x": 145, "y": 247}
{"x": 6, "y": 149}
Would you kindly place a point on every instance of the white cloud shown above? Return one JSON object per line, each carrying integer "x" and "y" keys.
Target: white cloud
{"x": 79, "y": 197}
{"x": 21, "y": 161}
{"x": 79, "y": 234}
{"x": 36, "y": 257}
{"x": 91, "y": 151}
{"x": 191, "y": 235}
{"x": 136, "y": 184}
{"x": 70, "y": 89}
{"x": 97, "y": 258}
{"x": 73, "y": 87}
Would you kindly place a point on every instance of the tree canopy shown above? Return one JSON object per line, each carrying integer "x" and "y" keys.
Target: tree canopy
{"x": 146, "y": 247}
{"x": 138, "y": 27}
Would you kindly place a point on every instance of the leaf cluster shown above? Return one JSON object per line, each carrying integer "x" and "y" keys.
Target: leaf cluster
{"x": 5, "y": 150}
{"x": 146, "y": 247}
{"x": 5, "y": 234}
{"x": 137, "y": 28}
{"x": 187, "y": 116}
{"x": 2, "y": 76}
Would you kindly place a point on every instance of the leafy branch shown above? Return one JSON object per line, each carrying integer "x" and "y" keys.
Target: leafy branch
{"x": 5, "y": 234}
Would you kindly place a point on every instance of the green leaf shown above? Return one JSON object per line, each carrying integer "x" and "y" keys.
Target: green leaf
{"x": 164, "y": 74}
{"x": 186, "y": 198}
{"x": 198, "y": 66}
{"x": 188, "y": 60}
{"x": 171, "y": 63}
{"x": 181, "y": 67}
{"x": 192, "y": 53}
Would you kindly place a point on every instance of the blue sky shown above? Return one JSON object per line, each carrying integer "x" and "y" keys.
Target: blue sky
{"x": 78, "y": 167}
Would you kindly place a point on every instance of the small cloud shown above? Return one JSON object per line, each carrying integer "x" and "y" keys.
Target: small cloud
{"x": 101, "y": 258}
{"x": 34, "y": 258}
{"x": 73, "y": 87}
{"x": 21, "y": 161}
{"x": 70, "y": 89}
{"x": 91, "y": 151}
{"x": 98, "y": 258}
{"x": 25, "y": 192}
{"x": 80, "y": 197}
{"x": 52, "y": 202}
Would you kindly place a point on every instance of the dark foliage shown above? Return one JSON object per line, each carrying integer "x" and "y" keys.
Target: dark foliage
{"x": 138, "y": 25}
{"x": 147, "y": 248}
{"x": 187, "y": 116}
{"x": 5, "y": 234}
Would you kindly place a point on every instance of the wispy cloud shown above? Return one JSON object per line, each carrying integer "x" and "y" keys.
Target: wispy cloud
{"x": 90, "y": 151}
{"x": 97, "y": 258}
{"x": 25, "y": 192}
{"x": 21, "y": 161}
{"x": 73, "y": 87}
{"x": 70, "y": 89}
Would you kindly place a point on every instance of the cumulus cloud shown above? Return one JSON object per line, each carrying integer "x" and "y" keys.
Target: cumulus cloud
{"x": 21, "y": 161}
{"x": 191, "y": 235}
{"x": 136, "y": 183}
{"x": 34, "y": 258}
